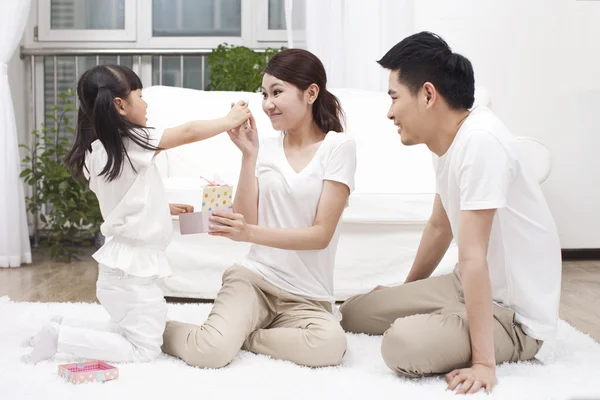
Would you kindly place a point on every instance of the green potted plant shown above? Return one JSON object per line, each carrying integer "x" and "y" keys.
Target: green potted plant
{"x": 68, "y": 210}
{"x": 237, "y": 68}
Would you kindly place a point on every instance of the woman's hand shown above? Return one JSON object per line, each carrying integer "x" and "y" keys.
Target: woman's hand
{"x": 245, "y": 137}
{"x": 233, "y": 226}
{"x": 177, "y": 209}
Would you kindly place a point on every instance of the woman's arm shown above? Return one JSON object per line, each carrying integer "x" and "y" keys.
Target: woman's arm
{"x": 246, "y": 195}
{"x": 334, "y": 198}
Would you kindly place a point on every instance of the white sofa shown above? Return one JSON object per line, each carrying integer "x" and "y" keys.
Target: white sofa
{"x": 380, "y": 229}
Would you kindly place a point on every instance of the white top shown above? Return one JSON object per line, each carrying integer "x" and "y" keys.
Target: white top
{"x": 289, "y": 200}
{"x": 482, "y": 170}
{"x": 137, "y": 222}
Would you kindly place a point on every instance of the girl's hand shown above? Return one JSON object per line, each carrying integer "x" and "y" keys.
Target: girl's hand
{"x": 234, "y": 226}
{"x": 239, "y": 114}
{"x": 245, "y": 137}
{"x": 177, "y": 209}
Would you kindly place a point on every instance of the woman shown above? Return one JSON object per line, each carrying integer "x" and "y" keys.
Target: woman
{"x": 291, "y": 194}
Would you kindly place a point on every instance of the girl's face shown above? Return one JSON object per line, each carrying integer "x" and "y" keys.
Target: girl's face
{"x": 285, "y": 104}
{"x": 133, "y": 108}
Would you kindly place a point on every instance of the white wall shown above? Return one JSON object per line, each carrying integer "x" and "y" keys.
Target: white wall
{"x": 349, "y": 36}
{"x": 540, "y": 59}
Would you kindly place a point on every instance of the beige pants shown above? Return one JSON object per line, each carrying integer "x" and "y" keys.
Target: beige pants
{"x": 251, "y": 314}
{"x": 425, "y": 330}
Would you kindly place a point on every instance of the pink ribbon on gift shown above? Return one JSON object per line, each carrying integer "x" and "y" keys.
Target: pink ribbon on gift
{"x": 213, "y": 183}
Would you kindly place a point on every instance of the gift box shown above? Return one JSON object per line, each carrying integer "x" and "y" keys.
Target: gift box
{"x": 89, "y": 371}
{"x": 215, "y": 197}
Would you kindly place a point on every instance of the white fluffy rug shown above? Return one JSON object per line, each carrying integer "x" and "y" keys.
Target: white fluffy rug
{"x": 363, "y": 375}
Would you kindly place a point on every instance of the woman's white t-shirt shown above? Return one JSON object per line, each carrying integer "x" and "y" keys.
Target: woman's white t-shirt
{"x": 137, "y": 223}
{"x": 289, "y": 199}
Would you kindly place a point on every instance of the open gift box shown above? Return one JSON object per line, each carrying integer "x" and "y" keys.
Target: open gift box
{"x": 215, "y": 197}
{"x": 89, "y": 371}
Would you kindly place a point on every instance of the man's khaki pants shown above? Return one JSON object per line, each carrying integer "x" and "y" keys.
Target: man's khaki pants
{"x": 425, "y": 330}
{"x": 251, "y": 314}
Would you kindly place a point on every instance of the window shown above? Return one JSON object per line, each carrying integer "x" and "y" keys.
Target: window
{"x": 193, "y": 69}
{"x": 163, "y": 23}
{"x": 67, "y": 14}
{"x": 196, "y": 18}
{"x": 87, "y": 20}
{"x": 276, "y": 14}
{"x": 271, "y": 24}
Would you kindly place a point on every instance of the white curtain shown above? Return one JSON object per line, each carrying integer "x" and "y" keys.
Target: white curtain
{"x": 349, "y": 36}
{"x": 14, "y": 234}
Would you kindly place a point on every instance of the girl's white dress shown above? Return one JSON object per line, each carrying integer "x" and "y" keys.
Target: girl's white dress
{"x": 138, "y": 229}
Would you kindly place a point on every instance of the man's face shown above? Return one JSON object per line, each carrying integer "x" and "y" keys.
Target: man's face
{"x": 406, "y": 111}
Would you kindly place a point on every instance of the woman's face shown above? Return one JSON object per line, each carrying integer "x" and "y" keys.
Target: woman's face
{"x": 285, "y": 104}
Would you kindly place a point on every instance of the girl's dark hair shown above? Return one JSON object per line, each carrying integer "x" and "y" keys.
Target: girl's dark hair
{"x": 98, "y": 118}
{"x": 302, "y": 68}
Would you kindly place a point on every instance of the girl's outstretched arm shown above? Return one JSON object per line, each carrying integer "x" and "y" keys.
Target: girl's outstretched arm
{"x": 194, "y": 131}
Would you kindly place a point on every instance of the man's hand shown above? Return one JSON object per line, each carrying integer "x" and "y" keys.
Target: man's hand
{"x": 177, "y": 209}
{"x": 472, "y": 379}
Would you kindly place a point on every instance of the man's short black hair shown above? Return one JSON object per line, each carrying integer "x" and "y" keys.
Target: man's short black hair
{"x": 426, "y": 57}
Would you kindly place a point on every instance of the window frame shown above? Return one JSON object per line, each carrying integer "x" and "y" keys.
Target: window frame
{"x": 200, "y": 42}
{"x": 138, "y": 31}
{"x": 262, "y": 31}
{"x": 47, "y": 34}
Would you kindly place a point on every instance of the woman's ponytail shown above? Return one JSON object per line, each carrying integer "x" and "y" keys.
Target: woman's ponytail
{"x": 328, "y": 113}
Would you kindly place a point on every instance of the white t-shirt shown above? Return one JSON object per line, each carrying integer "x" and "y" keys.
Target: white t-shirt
{"x": 137, "y": 222}
{"x": 289, "y": 200}
{"x": 482, "y": 169}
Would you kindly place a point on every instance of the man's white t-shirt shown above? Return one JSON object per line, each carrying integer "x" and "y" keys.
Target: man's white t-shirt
{"x": 288, "y": 199}
{"x": 483, "y": 169}
{"x": 134, "y": 206}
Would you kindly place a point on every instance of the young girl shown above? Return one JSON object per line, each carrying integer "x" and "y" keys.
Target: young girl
{"x": 289, "y": 201}
{"x": 116, "y": 152}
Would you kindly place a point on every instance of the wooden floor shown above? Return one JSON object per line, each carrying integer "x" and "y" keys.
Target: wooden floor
{"x": 47, "y": 281}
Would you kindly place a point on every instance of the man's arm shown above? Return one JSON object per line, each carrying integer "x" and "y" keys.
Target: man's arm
{"x": 474, "y": 235}
{"x": 434, "y": 243}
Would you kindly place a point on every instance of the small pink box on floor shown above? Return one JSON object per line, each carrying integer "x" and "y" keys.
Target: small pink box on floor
{"x": 89, "y": 371}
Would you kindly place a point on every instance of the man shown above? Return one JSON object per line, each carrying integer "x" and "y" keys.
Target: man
{"x": 502, "y": 300}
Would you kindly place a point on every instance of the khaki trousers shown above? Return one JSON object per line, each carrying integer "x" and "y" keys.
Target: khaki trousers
{"x": 251, "y": 314}
{"x": 425, "y": 329}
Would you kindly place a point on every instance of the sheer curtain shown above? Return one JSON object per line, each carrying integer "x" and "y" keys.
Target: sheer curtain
{"x": 349, "y": 36}
{"x": 14, "y": 234}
